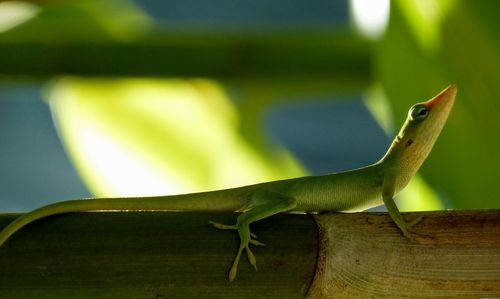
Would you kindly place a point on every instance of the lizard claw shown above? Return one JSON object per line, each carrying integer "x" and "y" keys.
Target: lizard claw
{"x": 415, "y": 221}
{"x": 251, "y": 258}
{"x": 222, "y": 226}
{"x": 256, "y": 243}
{"x": 412, "y": 235}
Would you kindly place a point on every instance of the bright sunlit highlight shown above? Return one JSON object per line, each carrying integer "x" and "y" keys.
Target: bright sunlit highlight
{"x": 135, "y": 137}
{"x": 14, "y": 13}
{"x": 418, "y": 196}
{"x": 370, "y": 16}
{"x": 123, "y": 171}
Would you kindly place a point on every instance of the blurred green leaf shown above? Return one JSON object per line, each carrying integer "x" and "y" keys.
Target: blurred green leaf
{"x": 82, "y": 21}
{"x": 145, "y": 136}
{"x": 464, "y": 165}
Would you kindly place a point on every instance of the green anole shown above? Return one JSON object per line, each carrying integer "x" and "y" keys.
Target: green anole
{"x": 348, "y": 191}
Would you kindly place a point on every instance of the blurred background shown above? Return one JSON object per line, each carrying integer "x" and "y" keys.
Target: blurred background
{"x": 124, "y": 98}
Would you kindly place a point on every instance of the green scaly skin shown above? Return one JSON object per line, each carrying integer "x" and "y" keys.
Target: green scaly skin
{"x": 349, "y": 191}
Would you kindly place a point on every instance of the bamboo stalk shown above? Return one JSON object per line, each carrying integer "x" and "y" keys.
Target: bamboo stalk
{"x": 178, "y": 255}
{"x": 455, "y": 255}
{"x": 154, "y": 255}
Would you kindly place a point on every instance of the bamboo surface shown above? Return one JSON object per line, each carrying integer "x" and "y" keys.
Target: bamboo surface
{"x": 178, "y": 255}
{"x": 154, "y": 255}
{"x": 455, "y": 254}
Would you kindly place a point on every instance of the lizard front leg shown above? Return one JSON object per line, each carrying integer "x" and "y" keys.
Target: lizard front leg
{"x": 388, "y": 190}
{"x": 263, "y": 204}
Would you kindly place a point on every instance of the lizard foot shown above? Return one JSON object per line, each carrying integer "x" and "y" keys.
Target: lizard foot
{"x": 246, "y": 238}
{"x": 410, "y": 233}
{"x": 251, "y": 259}
{"x": 262, "y": 204}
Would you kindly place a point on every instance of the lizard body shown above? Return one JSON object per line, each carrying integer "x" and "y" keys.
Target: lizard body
{"x": 349, "y": 191}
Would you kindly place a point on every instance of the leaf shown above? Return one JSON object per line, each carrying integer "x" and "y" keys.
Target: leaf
{"x": 158, "y": 136}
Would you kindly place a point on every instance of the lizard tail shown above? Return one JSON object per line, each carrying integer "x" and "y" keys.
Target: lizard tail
{"x": 209, "y": 201}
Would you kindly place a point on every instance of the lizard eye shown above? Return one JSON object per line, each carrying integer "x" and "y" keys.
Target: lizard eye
{"x": 419, "y": 112}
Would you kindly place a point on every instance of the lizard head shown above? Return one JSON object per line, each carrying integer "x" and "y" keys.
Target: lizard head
{"x": 419, "y": 133}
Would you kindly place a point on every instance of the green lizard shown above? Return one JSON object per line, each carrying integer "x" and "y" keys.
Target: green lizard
{"x": 348, "y": 191}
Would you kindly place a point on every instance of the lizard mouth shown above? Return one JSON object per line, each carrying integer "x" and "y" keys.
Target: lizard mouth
{"x": 445, "y": 97}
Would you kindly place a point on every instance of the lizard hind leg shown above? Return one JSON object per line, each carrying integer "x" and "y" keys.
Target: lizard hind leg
{"x": 263, "y": 204}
